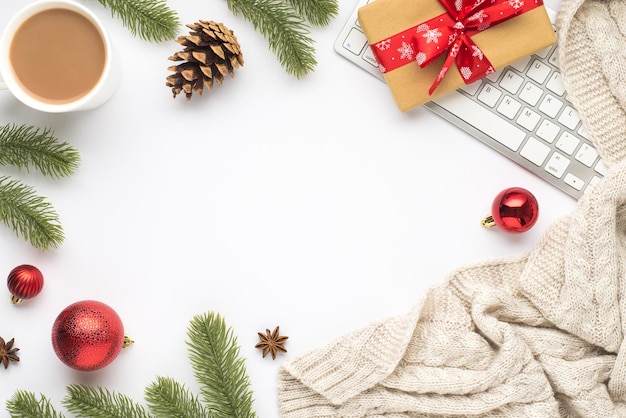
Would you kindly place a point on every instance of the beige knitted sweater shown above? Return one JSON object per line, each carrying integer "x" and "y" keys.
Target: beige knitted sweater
{"x": 537, "y": 336}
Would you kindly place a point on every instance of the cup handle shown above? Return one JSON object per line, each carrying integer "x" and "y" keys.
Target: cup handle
{"x": 3, "y": 85}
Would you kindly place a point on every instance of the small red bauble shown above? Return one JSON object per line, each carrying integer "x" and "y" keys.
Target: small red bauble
{"x": 514, "y": 210}
{"x": 88, "y": 335}
{"x": 24, "y": 282}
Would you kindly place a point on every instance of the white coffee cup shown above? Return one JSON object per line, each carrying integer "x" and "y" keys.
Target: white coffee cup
{"x": 101, "y": 89}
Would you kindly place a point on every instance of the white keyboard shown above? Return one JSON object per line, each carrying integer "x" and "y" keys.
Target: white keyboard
{"x": 522, "y": 111}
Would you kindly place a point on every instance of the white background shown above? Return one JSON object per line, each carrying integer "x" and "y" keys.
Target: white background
{"x": 312, "y": 204}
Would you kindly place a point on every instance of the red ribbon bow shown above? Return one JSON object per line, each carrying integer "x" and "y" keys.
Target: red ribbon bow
{"x": 451, "y": 32}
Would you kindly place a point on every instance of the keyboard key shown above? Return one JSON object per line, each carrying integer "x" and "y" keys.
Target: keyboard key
{"x": 511, "y": 82}
{"x": 544, "y": 52}
{"x": 473, "y": 87}
{"x": 557, "y": 165}
{"x": 583, "y": 132}
{"x": 548, "y": 131}
{"x": 493, "y": 77}
{"x": 550, "y": 105}
{"x": 555, "y": 84}
{"x": 567, "y": 143}
{"x": 574, "y": 181}
{"x": 521, "y": 64}
{"x": 355, "y": 41}
{"x": 509, "y": 107}
{"x": 368, "y": 56}
{"x": 531, "y": 94}
{"x": 554, "y": 57}
{"x": 489, "y": 95}
{"x": 538, "y": 71}
{"x": 528, "y": 119}
{"x": 601, "y": 168}
{"x": 593, "y": 182}
{"x": 569, "y": 118}
{"x": 587, "y": 155}
{"x": 535, "y": 151}
{"x": 483, "y": 119}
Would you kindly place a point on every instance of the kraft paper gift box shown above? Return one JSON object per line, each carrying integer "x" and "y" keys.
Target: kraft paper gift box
{"x": 502, "y": 43}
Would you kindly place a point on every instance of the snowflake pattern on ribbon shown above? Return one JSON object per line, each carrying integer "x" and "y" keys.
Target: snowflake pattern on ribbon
{"x": 432, "y": 35}
{"x": 478, "y": 17}
{"x": 384, "y": 44}
{"x": 450, "y": 34}
{"x": 477, "y": 52}
{"x": 454, "y": 51}
{"x": 406, "y": 51}
{"x": 466, "y": 72}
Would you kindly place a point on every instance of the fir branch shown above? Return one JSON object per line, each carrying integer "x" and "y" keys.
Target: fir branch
{"x": 98, "y": 402}
{"x": 24, "y": 404}
{"x": 26, "y": 146}
{"x": 152, "y": 20}
{"x": 214, "y": 356}
{"x": 285, "y": 30}
{"x": 29, "y": 215}
{"x": 168, "y": 398}
{"x": 317, "y": 12}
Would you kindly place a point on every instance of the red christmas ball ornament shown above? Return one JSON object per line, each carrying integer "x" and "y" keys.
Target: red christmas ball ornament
{"x": 88, "y": 335}
{"x": 514, "y": 210}
{"x": 24, "y": 282}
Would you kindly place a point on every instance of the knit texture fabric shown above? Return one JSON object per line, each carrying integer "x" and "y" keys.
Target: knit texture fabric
{"x": 591, "y": 35}
{"x": 541, "y": 335}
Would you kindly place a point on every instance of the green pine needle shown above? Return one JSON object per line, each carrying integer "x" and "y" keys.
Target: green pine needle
{"x": 285, "y": 30}
{"x": 168, "y": 398}
{"x": 151, "y": 20}
{"x": 317, "y": 12}
{"x": 98, "y": 402}
{"x": 29, "y": 215}
{"x": 26, "y": 146}
{"x": 214, "y": 356}
{"x": 24, "y": 404}
{"x": 282, "y": 22}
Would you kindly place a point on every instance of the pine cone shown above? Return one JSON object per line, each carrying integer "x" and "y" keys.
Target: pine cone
{"x": 211, "y": 51}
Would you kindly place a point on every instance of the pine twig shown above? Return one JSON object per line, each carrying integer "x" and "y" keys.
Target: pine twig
{"x": 151, "y": 20}
{"x": 29, "y": 215}
{"x": 26, "y": 146}
{"x": 98, "y": 402}
{"x": 24, "y": 404}
{"x": 317, "y": 12}
{"x": 168, "y": 398}
{"x": 285, "y": 30}
{"x": 214, "y": 356}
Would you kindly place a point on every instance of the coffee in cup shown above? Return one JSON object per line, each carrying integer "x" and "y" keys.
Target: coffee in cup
{"x": 55, "y": 56}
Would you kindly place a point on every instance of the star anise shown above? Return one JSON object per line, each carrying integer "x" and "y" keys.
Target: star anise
{"x": 272, "y": 342}
{"x": 7, "y": 352}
